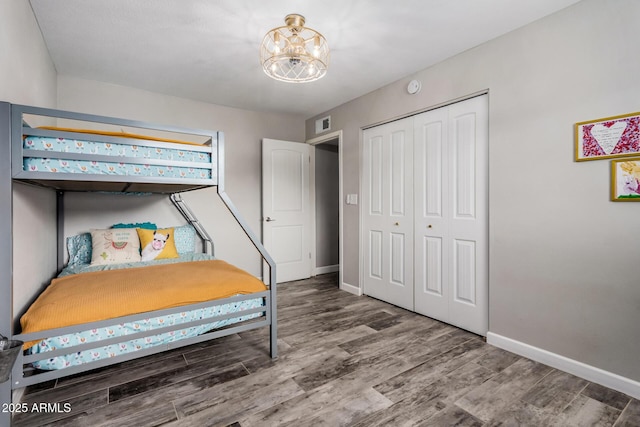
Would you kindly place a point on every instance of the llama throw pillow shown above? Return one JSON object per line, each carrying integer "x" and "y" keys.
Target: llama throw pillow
{"x": 113, "y": 246}
{"x": 157, "y": 244}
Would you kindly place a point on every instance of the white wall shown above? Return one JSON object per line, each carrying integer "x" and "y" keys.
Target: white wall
{"x": 27, "y": 76}
{"x": 563, "y": 258}
{"x": 243, "y": 131}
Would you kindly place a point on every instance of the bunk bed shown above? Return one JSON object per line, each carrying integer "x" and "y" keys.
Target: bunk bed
{"x": 118, "y": 161}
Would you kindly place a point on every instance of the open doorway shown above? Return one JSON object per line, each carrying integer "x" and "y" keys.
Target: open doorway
{"x": 327, "y": 188}
{"x": 326, "y": 204}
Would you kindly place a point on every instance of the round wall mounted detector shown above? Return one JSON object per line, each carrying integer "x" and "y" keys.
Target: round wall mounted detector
{"x": 414, "y": 87}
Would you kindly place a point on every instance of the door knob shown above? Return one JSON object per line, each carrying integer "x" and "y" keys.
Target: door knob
{"x": 397, "y": 223}
{"x": 429, "y": 226}
{"x": 268, "y": 219}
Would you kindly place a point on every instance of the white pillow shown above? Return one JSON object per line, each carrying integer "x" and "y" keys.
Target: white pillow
{"x": 114, "y": 245}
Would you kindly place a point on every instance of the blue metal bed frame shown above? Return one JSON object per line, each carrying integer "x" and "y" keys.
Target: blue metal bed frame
{"x": 11, "y": 168}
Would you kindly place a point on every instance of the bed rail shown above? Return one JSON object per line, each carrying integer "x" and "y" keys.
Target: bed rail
{"x": 6, "y": 239}
{"x": 256, "y": 243}
{"x": 19, "y": 379}
{"x": 191, "y": 218}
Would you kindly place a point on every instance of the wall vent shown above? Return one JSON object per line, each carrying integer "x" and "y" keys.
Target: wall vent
{"x": 323, "y": 124}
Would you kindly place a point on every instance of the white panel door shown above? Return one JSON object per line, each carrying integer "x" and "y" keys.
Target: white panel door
{"x": 469, "y": 222}
{"x": 451, "y": 215}
{"x": 285, "y": 207}
{"x": 431, "y": 214}
{"x": 387, "y": 204}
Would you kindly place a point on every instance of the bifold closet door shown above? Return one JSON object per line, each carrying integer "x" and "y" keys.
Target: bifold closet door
{"x": 387, "y": 204}
{"x": 451, "y": 214}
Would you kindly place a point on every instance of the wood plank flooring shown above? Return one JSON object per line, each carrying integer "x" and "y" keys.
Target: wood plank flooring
{"x": 344, "y": 360}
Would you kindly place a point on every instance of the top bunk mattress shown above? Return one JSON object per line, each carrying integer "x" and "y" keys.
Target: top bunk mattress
{"x": 109, "y": 158}
{"x": 180, "y": 163}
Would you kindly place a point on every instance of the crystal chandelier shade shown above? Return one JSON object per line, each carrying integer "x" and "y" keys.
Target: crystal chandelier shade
{"x": 294, "y": 53}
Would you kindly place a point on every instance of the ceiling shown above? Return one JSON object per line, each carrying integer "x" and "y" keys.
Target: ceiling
{"x": 208, "y": 50}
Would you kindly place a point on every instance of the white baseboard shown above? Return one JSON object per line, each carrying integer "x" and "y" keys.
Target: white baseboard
{"x": 582, "y": 370}
{"x": 326, "y": 269}
{"x": 351, "y": 289}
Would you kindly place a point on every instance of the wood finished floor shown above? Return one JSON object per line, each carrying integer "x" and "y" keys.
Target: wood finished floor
{"x": 344, "y": 360}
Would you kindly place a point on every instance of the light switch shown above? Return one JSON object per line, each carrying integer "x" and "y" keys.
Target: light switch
{"x": 352, "y": 199}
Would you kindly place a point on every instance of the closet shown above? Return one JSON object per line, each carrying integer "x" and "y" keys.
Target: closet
{"x": 425, "y": 213}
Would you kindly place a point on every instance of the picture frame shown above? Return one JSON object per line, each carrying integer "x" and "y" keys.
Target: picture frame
{"x": 609, "y": 137}
{"x": 625, "y": 180}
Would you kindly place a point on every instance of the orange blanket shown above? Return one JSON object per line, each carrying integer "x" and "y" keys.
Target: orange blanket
{"x": 89, "y": 297}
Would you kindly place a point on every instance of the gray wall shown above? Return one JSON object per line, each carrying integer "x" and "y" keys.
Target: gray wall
{"x": 562, "y": 256}
{"x": 327, "y": 176}
{"x": 27, "y": 76}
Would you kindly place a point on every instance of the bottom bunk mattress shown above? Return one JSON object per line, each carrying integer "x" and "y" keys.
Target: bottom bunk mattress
{"x": 90, "y": 297}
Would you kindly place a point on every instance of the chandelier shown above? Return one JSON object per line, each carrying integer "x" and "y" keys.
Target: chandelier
{"x": 294, "y": 53}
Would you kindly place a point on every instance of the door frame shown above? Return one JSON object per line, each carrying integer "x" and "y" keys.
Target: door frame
{"x": 312, "y": 196}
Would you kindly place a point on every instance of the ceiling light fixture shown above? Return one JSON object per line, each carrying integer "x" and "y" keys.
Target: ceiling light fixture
{"x": 294, "y": 53}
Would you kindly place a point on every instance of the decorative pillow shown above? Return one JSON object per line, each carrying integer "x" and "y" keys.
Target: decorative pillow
{"x": 79, "y": 248}
{"x": 114, "y": 246}
{"x": 157, "y": 244}
{"x": 185, "y": 239}
{"x": 146, "y": 225}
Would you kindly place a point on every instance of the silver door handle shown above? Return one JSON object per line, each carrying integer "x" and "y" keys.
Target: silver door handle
{"x": 268, "y": 219}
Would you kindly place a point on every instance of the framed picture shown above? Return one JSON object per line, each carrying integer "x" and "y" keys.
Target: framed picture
{"x": 625, "y": 180}
{"x": 609, "y": 137}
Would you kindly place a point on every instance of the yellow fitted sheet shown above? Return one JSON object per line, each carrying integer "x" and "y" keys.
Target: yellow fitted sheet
{"x": 121, "y": 134}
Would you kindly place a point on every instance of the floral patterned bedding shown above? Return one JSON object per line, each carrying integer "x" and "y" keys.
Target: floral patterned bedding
{"x": 102, "y": 352}
{"x": 116, "y": 167}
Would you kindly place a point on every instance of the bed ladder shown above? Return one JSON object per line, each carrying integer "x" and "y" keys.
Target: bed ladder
{"x": 187, "y": 213}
